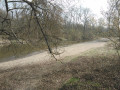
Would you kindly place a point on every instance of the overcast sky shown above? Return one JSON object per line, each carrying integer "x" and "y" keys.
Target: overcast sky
{"x": 96, "y": 6}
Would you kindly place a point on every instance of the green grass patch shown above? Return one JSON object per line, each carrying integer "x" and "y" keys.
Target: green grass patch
{"x": 75, "y": 80}
{"x": 76, "y": 84}
{"x": 72, "y": 80}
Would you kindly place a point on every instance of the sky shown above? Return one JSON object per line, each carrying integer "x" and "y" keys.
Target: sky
{"x": 96, "y": 6}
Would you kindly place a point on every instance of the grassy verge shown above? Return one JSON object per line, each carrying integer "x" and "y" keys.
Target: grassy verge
{"x": 102, "y": 51}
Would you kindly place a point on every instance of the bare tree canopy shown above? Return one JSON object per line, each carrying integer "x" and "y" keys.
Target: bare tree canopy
{"x": 31, "y": 21}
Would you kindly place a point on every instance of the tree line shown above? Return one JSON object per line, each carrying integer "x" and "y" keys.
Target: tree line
{"x": 38, "y": 21}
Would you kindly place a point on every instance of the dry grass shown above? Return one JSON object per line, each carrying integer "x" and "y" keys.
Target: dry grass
{"x": 84, "y": 73}
{"x": 100, "y": 72}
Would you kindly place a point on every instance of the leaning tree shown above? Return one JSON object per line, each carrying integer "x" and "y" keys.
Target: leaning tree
{"x": 31, "y": 21}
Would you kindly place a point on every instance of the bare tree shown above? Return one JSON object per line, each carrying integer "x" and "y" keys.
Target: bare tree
{"x": 32, "y": 21}
{"x": 113, "y": 19}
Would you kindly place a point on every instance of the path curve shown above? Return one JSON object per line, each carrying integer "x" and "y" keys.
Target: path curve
{"x": 40, "y": 58}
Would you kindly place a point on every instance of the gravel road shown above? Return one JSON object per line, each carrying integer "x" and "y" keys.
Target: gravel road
{"x": 44, "y": 57}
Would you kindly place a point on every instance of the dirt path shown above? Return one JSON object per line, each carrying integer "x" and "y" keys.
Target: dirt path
{"x": 44, "y": 57}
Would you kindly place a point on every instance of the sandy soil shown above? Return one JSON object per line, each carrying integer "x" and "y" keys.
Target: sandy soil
{"x": 44, "y": 57}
